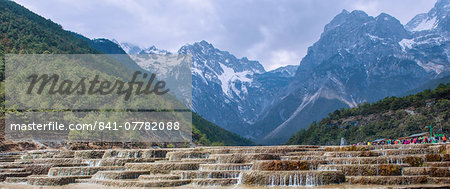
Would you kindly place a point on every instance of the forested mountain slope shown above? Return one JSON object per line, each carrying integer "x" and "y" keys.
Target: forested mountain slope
{"x": 24, "y": 32}
{"x": 389, "y": 118}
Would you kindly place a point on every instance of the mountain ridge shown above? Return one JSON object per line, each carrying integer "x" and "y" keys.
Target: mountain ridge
{"x": 357, "y": 59}
{"x": 226, "y": 89}
{"x": 24, "y": 32}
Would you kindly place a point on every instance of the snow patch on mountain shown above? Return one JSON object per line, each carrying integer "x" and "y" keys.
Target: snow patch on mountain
{"x": 374, "y": 38}
{"x": 228, "y": 77}
{"x": 430, "y": 66}
{"x": 426, "y": 24}
{"x": 406, "y": 44}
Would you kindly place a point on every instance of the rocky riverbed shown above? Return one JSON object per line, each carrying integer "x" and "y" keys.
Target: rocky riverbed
{"x": 424, "y": 165}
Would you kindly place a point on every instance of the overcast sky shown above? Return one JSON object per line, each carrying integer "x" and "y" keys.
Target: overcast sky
{"x": 274, "y": 32}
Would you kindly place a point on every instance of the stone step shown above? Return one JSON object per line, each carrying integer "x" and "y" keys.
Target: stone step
{"x": 292, "y": 178}
{"x": 286, "y": 165}
{"x": 80, "y": 171}
{"x": 375, "y": 147}
{"x": 422, "y": 186}
{"x": 42, "y": 168}
{"x": 9, "y": 165}
{"x": 51, "y": 160}
{"x": 159, "y": 177}
{"x": 16, "y": 180}
{"x": 361, "y": 160}
{"x": 9, "y": 158}
{"x": 42, "y": 151}
{"x": 50, "y": 154}
{"x": 10, "y": 153}
{"x": 366, "y": 169}
{"x": 437, "y": 164}
{"x": 430, "y": 171}
{"x": 303, "y": 157}
{"x": 439, "y": 180}
{"x": 412, "y": 160}
{"x": 120, "y": 174}
{"x": 52, "y": 180}
{"x": 437, "y": 157}
{"x": 136, "y": 153}
{"x": 228, "y": 166}
{"x": 137, "y": 183}
{"x": 65, "y": 165}
{"x": 387, "y": 152}
{"x": 350, "y": 154}
{"x": 306, "y": 153}
{"x": 176, "y": 156}
{"x": 195, "y": 160}
{"x": 12, "y": 170}
{"x": 3, "y": 176}
{"x": 243, "y": 158}
{"x": 214, "y": 182}
{"x": 89, "y": 154}
{"x": 65, "y": 154}
{"x": 162, "y": 167}
{"x": 206, "y": 174}
{"x": 118, "y": 161}
{"x": 200, "y": 160}
{"x": 282, "y": 150}
{"x": 386, "y": 180}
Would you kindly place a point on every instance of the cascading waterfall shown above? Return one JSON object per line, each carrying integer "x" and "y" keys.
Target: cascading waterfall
{"x": 225, "y": 167}
{"x": 293, "y": 180}
{"x": 94, "y": 162}
{"x": 211, "y": 175}
{"x": 128, "y": 154}
{"x": 239, "y": 181}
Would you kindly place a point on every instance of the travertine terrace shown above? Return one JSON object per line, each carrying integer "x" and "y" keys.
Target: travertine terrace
{"x": 255, "y": 166}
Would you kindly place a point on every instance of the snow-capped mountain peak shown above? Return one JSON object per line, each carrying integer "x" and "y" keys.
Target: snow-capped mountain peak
{"x": 154, "y": 50}
{"x": 212, "y": 65}
{"x": 358, "y": 59}
{"x": 227, "y": 90}
{"x": 130, "y": 48}
{"x": 436, "y": 18}
{"x": 287, "y": 71}
{"x": 231, "y": 91}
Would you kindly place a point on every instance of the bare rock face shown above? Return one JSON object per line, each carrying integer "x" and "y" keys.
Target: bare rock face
{"x": 357, "y": 59}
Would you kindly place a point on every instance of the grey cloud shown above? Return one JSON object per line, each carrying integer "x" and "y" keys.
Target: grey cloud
{"x": 275, "y": 32}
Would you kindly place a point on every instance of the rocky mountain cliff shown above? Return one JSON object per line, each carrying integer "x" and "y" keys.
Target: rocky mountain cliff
{"x": 357, "y": 59}
{"x": 228, "y": 91}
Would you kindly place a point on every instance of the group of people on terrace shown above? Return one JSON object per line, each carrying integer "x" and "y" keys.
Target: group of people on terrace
{"x": 411, "y": 140}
